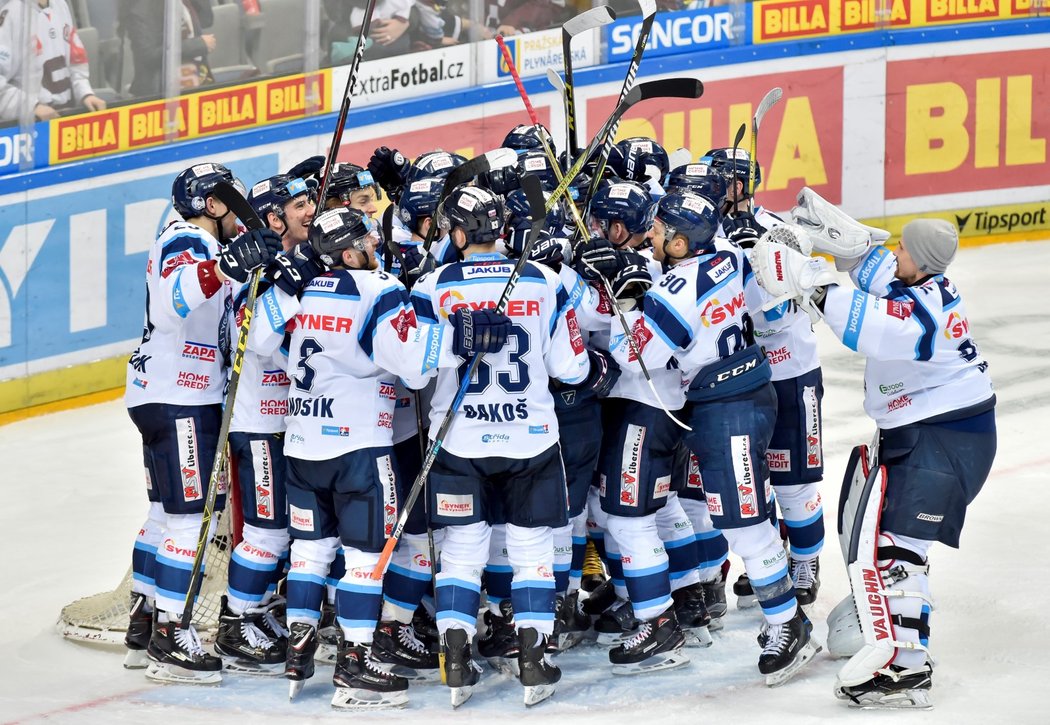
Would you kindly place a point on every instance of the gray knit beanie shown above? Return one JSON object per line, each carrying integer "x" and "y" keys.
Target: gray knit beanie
{"x": 932, "y": 243}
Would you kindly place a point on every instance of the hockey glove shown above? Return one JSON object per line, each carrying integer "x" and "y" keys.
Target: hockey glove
{"x": 548, "y": 251}
{"x": 791, "y": 236}
{"x": 478, "y": 331}
{"x": 604, "y": 373}
{"x": 786, "y": 274}
{"x": 834, "y": 232}
{"x": 292, "y": 271}
{"x": 744, "y": 237}
{"x": 415, "y": 263}
{"x": 631, "y": 281}
{"x": 741, "y": 220}
{"x": 389, "y": 168}
{"x": 308, "y": 169}
{"x": 247, "y": 252}
{"x": 596, "y": 258}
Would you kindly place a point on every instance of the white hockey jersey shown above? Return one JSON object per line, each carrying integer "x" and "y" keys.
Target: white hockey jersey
{"x": 185, "y": 339}
{"x": 508, "y": 410}
{"x": 262, "y": 392}
{"x": 353, "y": 333}
{"x": 922, "y": 360}
{"x": 58, "y": 74}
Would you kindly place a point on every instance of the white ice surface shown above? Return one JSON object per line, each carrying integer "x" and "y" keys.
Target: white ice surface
{"x": 72, "y": 500}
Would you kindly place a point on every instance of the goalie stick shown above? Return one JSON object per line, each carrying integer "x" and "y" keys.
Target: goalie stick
{"x": 585, "y": 21}
{"x": 534, "y": 193}
{"x": 580, "y": 225}
{"x": 767, "y": 102}
{"x": 351, "y": 79}
{"x": 232, "y": 198}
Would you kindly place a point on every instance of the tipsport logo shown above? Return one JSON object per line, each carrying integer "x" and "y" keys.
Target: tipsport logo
{"x": 987, "y": 222}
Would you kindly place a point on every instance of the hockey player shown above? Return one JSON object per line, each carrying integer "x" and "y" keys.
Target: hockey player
{"x": 352, "y": 186}
{"x": 250, "y": 638}
{"x": 699, "y": 313}
{"x": 174, "y": 392}
{"x": 351, "y": 326}
{"x": 928, "y": 389}
{"x": 740, "y": 212}
{"x": 501, "y": 459}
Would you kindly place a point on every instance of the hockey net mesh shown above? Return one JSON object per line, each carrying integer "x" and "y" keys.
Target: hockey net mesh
{"x": 103, "y": 618}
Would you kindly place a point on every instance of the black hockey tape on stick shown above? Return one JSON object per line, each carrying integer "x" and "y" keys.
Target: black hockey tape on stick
{"x": 236, "y": 203}
{"x": 585, "y": 21}
{"x": 534, "y": 193}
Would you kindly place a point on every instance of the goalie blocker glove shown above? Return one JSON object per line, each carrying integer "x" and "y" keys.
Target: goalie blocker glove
{"x": 478, "y": 331}
{"x": 247, "y": 252}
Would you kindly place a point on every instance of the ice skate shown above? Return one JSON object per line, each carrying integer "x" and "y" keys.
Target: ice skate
{"x": 745, "y": 595}
{"x": 571, "y": 625}
{"x": 397, "y": 650}
{"x": 245, "y": 647}
{"x": 893, "y": 688}
{"x": 461, "y": 672}
{"x": 691, "y": 611}
{"x": 177, "y": 656}
{"x": 537, "y": 673}
{"x": 715, "y": 599}
{"x": 656, "y": 646}
{"x": 360, "y": 684}
{"x": 806, "y": 577}
{"x": 616, "y": 624}
{"x": 299, "y": 662}
{"x": 600, "y": 599}
{"x": 328, "y": 635}
{"x": 787, "y": 649}
{"x": 426, "y": 628}
{"x": 499, "y": 646}
{"x": 140, "y": 627}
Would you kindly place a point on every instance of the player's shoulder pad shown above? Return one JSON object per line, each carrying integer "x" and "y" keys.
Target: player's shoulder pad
{"x": 336, "y": 282}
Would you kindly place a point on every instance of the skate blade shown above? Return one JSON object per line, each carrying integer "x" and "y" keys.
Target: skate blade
{"x": 697, "y": 636}
{"x": 775, "y": 679}
{"x": 612, "y": 639}
{"x": 716, "y": 624}
{"x": 662, "y": 661}
{"x": 504, "y": 665}
{"x": 748, "y": 601}
{"x": 245, "y": 667}
{"x": 136, "y": 659}
{"x": 420, "y": 677}
{"x": 568, "y": 640}
{"x": 903, "y": 700}
{"x": 325, "y": 655}
{"x": 173, "y": 674}
{"x": 535, "y": 694}
{"x": 356, "y": 698}
{"x": 295, "y": 687}
{"x": 459, "y": 695}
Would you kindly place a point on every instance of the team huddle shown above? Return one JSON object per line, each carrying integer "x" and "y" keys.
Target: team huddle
{"x": 596, "y": 399}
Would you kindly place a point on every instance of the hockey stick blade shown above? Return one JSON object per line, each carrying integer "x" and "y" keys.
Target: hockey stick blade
{"x": 767, "y": 102}
{"x": 585, "y": 21}
{"x": 588, "y": 20}
{"x": 555, "y": 80}
{"x": 229, "y": 195}
{"x": 739, "y": 137}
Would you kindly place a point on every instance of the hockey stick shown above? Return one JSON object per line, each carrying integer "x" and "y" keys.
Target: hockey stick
{"x": 359, "y": 52}
{"x": 736, "y": 144}
{"x": 649, "y": 11}
{"x": 585, "y": 21}
{"x": 495, "y": 159}
{"x": 580, "y": 225}
{"x": 768, "y": 101}
{"x": 236, "y": 203}
{"x": 534, "y": 193}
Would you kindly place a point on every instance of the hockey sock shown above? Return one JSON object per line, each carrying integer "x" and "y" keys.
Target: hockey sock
{"x": 144, "y": 555}
{"x": 903, "y": 562}
{"x": 253, "y": 565}
{"x": 463, "y": 555}
{"x": 311, "y": 560}
{"x": 644, "y": 564}
{"x": 676, "y": 531}
{"x": 765, "y": 562}
{"x": 531, "y": 553}
{"x": 712, "y": 547}
{"x": 802, "y": 511}
{"x": 579, "y": 550}
{"x": 175, "y": 561}
{"x": 335, "y": 575}
{"x": 407, "y": 579}
{"x": 498, "y": 572}
{"x": 358, "y": 597}
{"x": 615, "y": 564}
{"x": 562, "y": 557}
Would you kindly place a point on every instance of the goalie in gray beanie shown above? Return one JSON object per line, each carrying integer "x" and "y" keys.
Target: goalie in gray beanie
{"x": 932, "y": 244}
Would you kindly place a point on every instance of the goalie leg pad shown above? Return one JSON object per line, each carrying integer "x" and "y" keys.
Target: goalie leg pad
{"x": 854, "y": 484}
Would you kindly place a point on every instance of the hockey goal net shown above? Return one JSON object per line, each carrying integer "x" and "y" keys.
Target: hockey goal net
{"x": 103, "y": 618}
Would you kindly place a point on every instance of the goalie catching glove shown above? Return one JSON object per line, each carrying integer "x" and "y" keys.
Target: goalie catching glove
{"x": 834, "y": 232}
{"x": 786, "y": 274}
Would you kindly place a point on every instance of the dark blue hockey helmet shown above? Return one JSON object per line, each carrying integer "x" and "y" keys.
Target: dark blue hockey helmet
{"x": 418, "y": 201}
{"x": 191, "y": 188}
{"x": 536, "y": 163}
{"x": 434, "y": 163}
{"x": 699, "y": 178}
{"x": 523, "y": 138}
{"x": 271, "y": 195}
{"x": 338, "y": 229}
{"x": 630, "y": 158}
{"x": 691, "y": 215}
{"x": 733, "y": 164}
{"x": 346, "y": 179}
{"x": 519, "y": 220}
{"x": 501, "y": 181}
{"x": 625, "y": 201}
{"x": 475, "y": 210}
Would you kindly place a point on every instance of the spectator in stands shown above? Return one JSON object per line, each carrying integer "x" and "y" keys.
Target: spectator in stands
{"x": 142, "y": 22}
{"x": 511, "y": 17}
{"x": 58, "y": 74}
{"x": 388, "y": 30}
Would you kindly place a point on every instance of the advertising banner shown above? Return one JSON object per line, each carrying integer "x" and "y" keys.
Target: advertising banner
{"x": 534, "y": 53}
{"x": 16, "y": 147}
{"x": 678, "y": 32}
{"x": 418, "y": 74}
